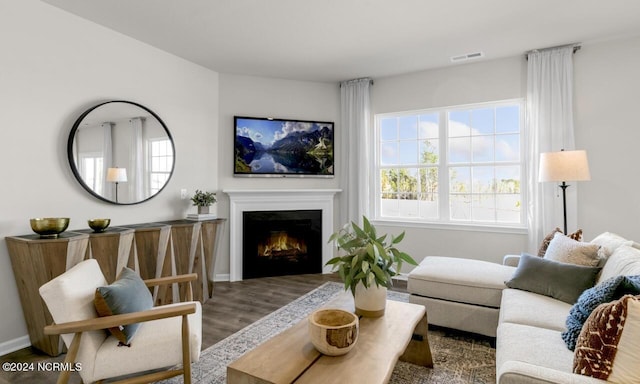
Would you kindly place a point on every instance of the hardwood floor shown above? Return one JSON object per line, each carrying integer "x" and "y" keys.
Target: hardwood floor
{"x": 232, "y": 307}
{"x": 236, "y": 305}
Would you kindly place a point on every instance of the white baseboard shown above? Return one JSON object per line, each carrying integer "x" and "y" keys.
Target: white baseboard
{"x": 402, "y": 276}
{"x": 14, "y": 345}
{"x": 222, "y": 277}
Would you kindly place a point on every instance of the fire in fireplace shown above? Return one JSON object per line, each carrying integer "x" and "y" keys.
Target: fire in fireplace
{"x": 279, "y": 243}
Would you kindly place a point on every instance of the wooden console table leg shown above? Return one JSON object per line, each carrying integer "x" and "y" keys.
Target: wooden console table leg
{"x": 35, "y": 261}
{"x": 418, "y": 351}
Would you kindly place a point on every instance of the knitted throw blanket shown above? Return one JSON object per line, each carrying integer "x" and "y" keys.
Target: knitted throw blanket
{"x": 609, "y": 290}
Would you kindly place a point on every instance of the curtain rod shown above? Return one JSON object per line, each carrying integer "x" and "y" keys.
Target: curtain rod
{"x": 576, "y": 47}
{"x": 356, "y": 80}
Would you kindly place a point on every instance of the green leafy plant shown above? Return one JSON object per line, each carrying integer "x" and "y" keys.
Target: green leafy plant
{"x": 367, "y": 259}
{"x": 203, "y": 199}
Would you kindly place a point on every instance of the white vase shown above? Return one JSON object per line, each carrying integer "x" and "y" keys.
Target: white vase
{"x": 370, "y": 302}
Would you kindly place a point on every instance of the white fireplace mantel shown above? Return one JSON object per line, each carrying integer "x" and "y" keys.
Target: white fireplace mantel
{"x": 241, "y": 200}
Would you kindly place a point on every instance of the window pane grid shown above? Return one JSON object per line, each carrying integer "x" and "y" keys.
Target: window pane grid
{"x": 482, "y": 163}
{"x": 409, "y": 192}
{"x": 161, "y": 160}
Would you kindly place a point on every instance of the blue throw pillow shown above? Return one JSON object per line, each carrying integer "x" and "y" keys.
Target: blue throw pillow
{"x": 127, "y": 294}
{"x": 608, "y": 290}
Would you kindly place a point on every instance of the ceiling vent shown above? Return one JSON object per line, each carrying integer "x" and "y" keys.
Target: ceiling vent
{"x": 465, "y": 57}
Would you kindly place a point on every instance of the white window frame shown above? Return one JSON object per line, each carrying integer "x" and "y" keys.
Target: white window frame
{"x": 444, "y": 221}
{"x": 97, "y": 185}
{"x": 153, "y": 172}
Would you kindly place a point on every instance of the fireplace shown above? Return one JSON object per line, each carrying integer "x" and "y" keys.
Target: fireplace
{"x": 276, "y": 200}
{"x": 277, "y": 243}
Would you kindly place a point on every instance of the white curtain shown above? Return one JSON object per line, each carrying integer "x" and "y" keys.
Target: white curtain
{"x": 355, "y": 167}
{"x": 550, "y": 129}
{"x": 136, "y": 177}
{"x": 107, "y": 159}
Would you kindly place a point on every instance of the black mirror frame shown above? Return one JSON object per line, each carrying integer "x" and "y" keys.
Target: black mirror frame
{"x": 74, "y": 168}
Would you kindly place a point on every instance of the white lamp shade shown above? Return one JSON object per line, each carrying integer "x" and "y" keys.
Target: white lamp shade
{"x": 117, "y": 175}
{"x": 564, "y": 166}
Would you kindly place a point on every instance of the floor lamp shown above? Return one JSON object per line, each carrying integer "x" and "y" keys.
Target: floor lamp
{"x": 564, "y": 166}
{"x": 117, "y": 175}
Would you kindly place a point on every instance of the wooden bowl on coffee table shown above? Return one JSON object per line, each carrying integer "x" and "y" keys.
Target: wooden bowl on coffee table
{"x": 333, "y": 332}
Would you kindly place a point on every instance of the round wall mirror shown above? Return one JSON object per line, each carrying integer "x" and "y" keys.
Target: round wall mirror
{"x": 121, "y": 152}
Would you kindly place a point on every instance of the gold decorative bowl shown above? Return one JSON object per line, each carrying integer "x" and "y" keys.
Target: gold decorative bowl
{"x": 99, "y": 225}
{"x": 333, "y": 332}
{"x": 49, "y": 227}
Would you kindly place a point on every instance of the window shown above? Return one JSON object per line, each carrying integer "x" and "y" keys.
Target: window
{"x": 161, "y": 155}
{"x": 458, "y": 165}
{"x": 91, "y": 168}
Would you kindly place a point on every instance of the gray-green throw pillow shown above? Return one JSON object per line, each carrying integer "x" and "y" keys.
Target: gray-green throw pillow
{"x": 125, "y": 295}
{"x": 561, "y": 281}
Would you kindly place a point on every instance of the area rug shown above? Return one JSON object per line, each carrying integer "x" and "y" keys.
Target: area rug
{"x": 457, "y": 358}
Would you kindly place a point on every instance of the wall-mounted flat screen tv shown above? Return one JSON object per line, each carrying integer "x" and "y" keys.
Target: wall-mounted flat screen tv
{"x": 283, "y": 148}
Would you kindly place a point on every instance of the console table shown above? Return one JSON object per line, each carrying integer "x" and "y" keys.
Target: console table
{"x": 152, "y": 249}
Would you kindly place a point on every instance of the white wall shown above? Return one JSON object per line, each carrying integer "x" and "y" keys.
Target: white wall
{"x": 55, "y": 65}
{"x": 607, "y": 78}
{"x": 463, "y": 84}
{"x": 262, "y": 97}
{"x": 485, "y": 81}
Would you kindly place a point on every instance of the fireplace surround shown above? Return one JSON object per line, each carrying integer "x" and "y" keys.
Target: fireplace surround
{"x": 274, "y": 200}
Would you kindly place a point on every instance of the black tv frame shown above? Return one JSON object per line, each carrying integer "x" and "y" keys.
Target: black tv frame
{"x": 306, "y": 153}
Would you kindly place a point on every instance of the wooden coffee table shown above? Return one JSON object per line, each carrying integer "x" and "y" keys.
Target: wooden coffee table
{"x": 289, "y": 357}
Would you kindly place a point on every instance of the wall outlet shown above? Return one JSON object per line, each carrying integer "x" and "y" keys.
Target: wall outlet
{"x": 183, "y": 193}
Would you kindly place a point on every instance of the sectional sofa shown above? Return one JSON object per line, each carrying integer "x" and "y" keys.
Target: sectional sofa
{"x": 528, "y": 303}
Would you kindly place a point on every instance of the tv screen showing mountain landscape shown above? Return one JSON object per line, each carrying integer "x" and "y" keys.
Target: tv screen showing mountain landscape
{"x": 277, "y": 147}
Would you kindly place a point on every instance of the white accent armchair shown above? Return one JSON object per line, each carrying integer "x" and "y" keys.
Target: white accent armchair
{"x": 170, "y": 335}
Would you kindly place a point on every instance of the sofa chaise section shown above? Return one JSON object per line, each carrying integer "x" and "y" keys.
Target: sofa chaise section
{"x": 459, "y": 293}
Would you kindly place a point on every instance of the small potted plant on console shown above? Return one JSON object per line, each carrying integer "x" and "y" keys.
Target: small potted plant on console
{"x": 368, "y": 265}
{"x": 203, "y": 200}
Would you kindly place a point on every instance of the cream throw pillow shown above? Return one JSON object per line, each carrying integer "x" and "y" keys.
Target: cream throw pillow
{"x": 610, "y": 242}
{"x": 567, "y": 250}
